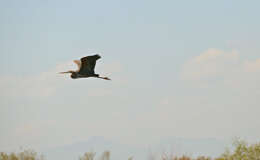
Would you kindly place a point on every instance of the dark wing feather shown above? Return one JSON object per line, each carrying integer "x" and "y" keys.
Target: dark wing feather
{"x": 88, "y": 64}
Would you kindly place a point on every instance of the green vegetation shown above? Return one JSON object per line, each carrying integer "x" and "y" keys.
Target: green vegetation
{"x": 24, "y": 155}
{"x": 242, "y": 151}
{"x": 91, "y": 156}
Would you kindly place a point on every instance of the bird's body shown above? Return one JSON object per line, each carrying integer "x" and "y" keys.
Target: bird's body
{"x": 86, "y": 68}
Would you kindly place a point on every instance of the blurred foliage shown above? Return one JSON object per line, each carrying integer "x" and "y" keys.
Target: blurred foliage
{"x": 242, "y": 151}
{"x": 104, "y": 156}
{"x": 184, "y": 158}
{"x": 24, "y": 155}
{"x": 88, "y": 156}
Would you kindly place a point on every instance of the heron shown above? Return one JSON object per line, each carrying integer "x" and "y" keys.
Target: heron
{"x": 86, "y": 68}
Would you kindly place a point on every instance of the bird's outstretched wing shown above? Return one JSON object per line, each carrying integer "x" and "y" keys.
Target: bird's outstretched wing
{"x": 88, "y": 64}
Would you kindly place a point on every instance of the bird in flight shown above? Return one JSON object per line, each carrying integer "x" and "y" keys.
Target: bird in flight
{"x": 86, "y": 67}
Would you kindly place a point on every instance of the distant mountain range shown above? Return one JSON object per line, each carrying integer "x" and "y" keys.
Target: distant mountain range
{"x": 177, "y": 146}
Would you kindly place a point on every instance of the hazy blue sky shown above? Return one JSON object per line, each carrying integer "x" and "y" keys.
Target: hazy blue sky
{"x": 178, "y": 68}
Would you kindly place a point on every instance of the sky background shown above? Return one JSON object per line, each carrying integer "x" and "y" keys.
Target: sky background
{"x": 186, "y": 69}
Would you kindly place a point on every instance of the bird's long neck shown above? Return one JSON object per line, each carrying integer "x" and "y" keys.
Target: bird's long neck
{"x": 67, "y": 72}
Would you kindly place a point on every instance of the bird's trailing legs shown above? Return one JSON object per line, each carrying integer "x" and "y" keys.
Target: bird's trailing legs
{"x": 106, "y": 78}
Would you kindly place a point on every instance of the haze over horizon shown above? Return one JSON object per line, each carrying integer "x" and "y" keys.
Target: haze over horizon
{"x": 185, "y": 69}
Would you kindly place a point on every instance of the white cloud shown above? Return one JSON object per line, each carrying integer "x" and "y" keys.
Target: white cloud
{"x": 35, "y": 129}
{"x": 219, "y": 84}
{"x": 46, "y": 84}
{"x": 40, "y": 104}
{"x": 83, "y": 108}
{"x": 224, "y": 69}
{"x": 210, "y": 64}
{"x": 252, "y": 66}
{"x": 39, "y": 85}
